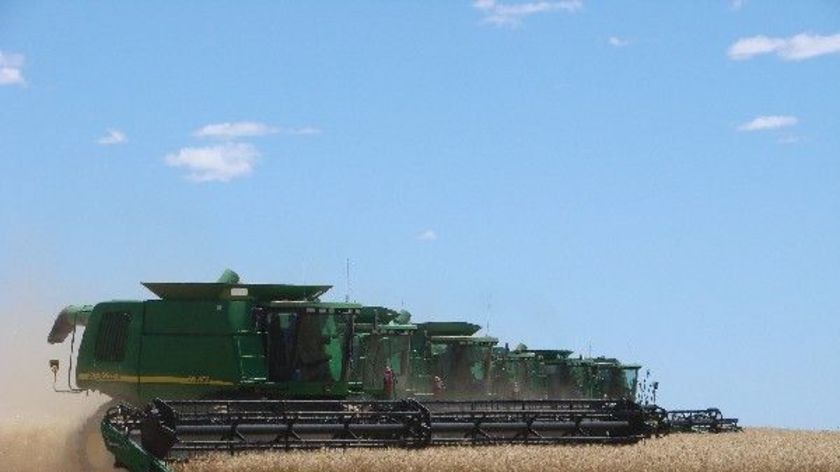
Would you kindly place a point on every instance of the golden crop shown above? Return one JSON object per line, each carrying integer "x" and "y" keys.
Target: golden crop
{"x": 36, "y": 446}
{"x": 759, "y": 450}
{"x": 27, "y": 446}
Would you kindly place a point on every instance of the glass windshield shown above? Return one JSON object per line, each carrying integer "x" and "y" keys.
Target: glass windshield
{"x": 306, "y": 347}
{"x": 462, "y": 366}
{"x": 630, "y": 376}
{"x": 561, "y": 382}
{"x": 377, "y": 352}
{"x": 320, "y": 347}
{"x": 398, "y": 346}
{"x": 610, "y": 382}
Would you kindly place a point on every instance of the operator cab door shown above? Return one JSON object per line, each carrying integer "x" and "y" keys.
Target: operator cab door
{"x": 308, "y": 346}
{"x": 282, "y": 344}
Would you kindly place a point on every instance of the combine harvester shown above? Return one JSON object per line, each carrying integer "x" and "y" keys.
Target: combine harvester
{"x": 710, "y": 420}
{"x": 232, "y": 367}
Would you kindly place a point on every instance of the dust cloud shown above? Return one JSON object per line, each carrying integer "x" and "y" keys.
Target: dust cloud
{"x": 40, "y": 430}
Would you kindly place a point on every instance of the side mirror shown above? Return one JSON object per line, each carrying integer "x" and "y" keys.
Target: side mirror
{"x": 54, "y": 365}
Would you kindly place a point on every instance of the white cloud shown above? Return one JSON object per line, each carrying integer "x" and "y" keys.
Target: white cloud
{"x": 618, "y": 42}
{"x": 795, "y": 48}
{"x": 231, "y": 158}
{"x": 114, "y": 136}
{"x": 746, "y": 48}
{"x": 221, "y": 162}
{"x": 768, "y": 122}
{"x": 11, "y": 69}
{"x": 737, "y": 4}
{"x": 427, "y": 235}
{"x": 235, "y": 130}
{"x": 512, "y": 14}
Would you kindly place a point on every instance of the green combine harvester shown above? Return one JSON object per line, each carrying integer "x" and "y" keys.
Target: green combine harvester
{"x": 230, "y": 367}
{"x": 450, "y": 363}
{"x": 382, "y": 339}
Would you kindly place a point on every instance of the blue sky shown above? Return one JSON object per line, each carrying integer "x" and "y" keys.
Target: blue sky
{"x": 659, "y": 180}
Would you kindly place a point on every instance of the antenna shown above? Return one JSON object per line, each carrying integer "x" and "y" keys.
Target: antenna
{"x": 347, "y": 293}
{"x": 489, "y": 312}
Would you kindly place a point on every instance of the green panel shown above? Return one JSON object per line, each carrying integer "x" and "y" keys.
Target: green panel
{"x": 333, "y": 346}
{"x": 178, "y": 366}
{"x": 239, "y": 316}
{"x": 187, "y": 317}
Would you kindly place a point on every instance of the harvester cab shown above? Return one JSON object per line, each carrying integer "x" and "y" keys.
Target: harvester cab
{"x": 517, "y": 374}
{"x": 611, "y": 379}
{"x": 630, "y": 373}
{"x": 555, "y": 373}
{"x": 382, "y": 341}
{"x": 450, "y": 362}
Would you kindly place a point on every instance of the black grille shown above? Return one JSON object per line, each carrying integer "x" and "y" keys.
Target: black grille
{"x": 110, "y": 341}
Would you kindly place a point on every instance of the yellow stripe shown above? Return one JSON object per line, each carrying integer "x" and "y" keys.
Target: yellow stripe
{"x": 183, "y": 380}
{"x": 150, "y": 379}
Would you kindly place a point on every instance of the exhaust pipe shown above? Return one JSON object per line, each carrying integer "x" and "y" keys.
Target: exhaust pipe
{"x": 67, "y": 320}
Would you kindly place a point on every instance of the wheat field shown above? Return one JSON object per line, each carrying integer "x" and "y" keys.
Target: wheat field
{"x": 759, "y": 450}
{"x": 53, "y": 447}
{"x": 37, "y": 446}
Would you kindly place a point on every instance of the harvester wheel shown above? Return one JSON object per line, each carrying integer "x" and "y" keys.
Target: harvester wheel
{"x": 91, "y": 453}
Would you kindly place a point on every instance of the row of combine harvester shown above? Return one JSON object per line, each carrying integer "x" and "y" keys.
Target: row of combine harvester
{"x": 394, "y": 358}
{"x": 229, "y": 367}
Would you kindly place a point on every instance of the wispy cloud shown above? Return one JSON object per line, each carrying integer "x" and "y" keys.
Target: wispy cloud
{"x": 618, "y": 42}
{"x": 113, "y": 136}
{"x": 761, "y": 123}
{"x": 302, "y": 131}
{"x": 737, "y": 4}
{"x": 427, "y": 235}
{"x": 220, "y": 163}
{"x": 512, "y": 14}
{"x": 790, "y": 139}
{"x": 11, "y": 69}
{"x": 239, "y": 129}
{"x": 249, "y": 129}
{"x": 795, "y": 48}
